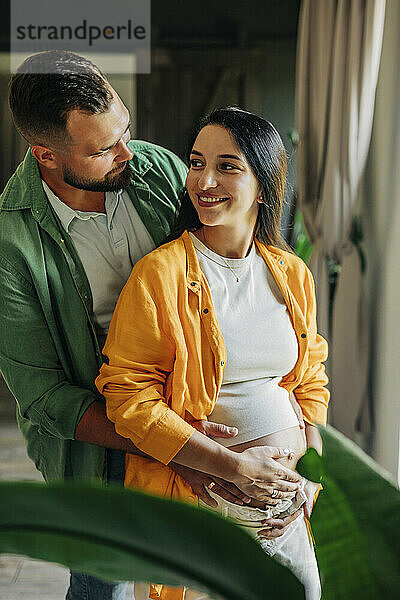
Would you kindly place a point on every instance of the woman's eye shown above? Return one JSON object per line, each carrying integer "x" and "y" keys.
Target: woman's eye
{"x": 228, "y": 167}
{"x": 195, "y": 162}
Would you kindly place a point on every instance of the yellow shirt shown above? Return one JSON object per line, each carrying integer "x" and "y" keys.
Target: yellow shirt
{"x": 166, "y": 354}
{"x": 166, "y": 357}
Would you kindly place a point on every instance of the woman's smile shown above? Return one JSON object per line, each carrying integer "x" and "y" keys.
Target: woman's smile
{"x": 210, "y": 201}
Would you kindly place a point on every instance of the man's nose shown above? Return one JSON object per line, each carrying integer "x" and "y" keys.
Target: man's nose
{"x": 124, "y": 152}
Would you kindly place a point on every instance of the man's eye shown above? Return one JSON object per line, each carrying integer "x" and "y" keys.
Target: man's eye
{"x": 100, "y": 153}
{"x": 195, "y": 162}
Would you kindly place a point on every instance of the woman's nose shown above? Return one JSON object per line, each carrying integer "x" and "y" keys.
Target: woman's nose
{"x": 207, "y": 180}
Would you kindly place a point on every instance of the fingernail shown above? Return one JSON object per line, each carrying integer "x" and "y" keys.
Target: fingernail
{"x": 233, "y": 430}
{"x": 286, "y": 451}
{"x": 247, "y": 500}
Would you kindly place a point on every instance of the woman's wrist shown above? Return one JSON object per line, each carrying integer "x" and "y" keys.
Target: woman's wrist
{"x": 313, "y": 437}
{"x": 206, "y": 455}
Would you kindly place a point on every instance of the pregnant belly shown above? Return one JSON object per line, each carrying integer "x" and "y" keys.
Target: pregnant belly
{"x": 292, "y": 438}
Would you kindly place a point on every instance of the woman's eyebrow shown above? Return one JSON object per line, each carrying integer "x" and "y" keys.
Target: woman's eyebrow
{"x": 219, "y": 156}
{"x": 230, "y": 156}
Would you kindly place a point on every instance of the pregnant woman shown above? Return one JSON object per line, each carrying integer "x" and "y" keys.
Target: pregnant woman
{"x": 220, "y": 323}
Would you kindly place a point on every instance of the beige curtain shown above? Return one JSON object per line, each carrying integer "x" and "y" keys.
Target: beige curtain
{"x": 381, "y": 215}
{"x": 338, "y": 56}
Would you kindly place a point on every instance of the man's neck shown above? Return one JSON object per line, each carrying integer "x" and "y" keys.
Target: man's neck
{"x": 73, "y": 197}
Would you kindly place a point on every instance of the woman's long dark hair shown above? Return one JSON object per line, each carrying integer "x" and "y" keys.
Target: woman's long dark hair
{"x": 263, "y": 149}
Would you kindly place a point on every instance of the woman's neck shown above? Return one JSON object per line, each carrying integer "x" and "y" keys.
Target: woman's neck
{"x": 225, "y": 242}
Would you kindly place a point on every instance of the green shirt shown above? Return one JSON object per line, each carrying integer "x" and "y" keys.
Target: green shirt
{"x": 49, "y": 352}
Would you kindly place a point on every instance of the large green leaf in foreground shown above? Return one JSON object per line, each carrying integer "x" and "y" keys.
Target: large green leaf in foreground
{"x": 122, "y": 534}
{"x": 356, "y": 522}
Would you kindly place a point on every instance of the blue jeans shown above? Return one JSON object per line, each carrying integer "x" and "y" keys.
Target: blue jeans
{"x": 86, "y": 587}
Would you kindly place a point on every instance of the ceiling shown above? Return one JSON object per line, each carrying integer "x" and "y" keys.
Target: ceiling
{"x": 183, "y": 23}
{"x": 235, "y": 22}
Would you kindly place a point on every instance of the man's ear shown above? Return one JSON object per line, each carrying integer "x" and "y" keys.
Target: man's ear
{"x": 45, "y": 156}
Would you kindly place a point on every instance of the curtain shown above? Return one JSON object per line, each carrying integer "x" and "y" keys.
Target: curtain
{"x": 381, "y": 219}
{"x": 338, "y": 57}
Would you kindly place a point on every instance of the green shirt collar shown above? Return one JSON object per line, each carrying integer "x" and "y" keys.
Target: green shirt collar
{"x": 31, "y": 194}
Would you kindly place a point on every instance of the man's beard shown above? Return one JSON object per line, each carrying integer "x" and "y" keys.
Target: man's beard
{"x": 110, "y": 182}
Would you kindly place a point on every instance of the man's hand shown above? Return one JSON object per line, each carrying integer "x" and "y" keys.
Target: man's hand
{"x": 211, "y": 429}
{"x": 199, "y": 483}
{"x": 277, "y": 527}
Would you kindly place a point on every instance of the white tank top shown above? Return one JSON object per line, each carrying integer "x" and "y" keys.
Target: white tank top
{"x": 260, "y": 342}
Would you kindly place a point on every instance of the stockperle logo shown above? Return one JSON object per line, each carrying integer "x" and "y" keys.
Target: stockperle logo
{"x": 95, "y": 26}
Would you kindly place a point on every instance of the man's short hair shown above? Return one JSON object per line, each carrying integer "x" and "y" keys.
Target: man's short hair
{"x": 47, "y": 86}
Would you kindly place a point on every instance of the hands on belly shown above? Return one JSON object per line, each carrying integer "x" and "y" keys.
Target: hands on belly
{"x": 292, "y": 438}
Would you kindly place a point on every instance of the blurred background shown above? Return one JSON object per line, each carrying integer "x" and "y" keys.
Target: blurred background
{"x": 325, "y": 72}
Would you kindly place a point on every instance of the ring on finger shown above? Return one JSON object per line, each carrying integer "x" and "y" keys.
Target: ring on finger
{"x": 211, "y": 485}
{"x": 275, "y": 494}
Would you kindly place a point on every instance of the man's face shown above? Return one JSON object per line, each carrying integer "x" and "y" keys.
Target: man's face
{"x": 96, "y": 157}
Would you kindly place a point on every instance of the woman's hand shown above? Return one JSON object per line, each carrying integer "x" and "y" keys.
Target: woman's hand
{"x": 211, "y": 429}
{"x": 226, "y": 490}
{"x": 199, "y": 482}
{"x": 261, "y": 477}
{"x": 253, "y": 471}
{"x": 310, "y": 489}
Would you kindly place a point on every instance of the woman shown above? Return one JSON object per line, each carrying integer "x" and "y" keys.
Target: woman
{"x": 226, "y": 331}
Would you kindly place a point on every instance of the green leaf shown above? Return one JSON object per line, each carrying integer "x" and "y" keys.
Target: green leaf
{"x": 311, "y": 466}
{"x": 300, "y": 242}
{"x": 122, "y": 534}
{"x": 356, "y": 522}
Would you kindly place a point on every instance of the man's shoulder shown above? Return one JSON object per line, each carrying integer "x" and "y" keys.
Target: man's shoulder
{"x": 168, "y": 258}
{"x": 147, "y": 155}
{"x": 23, "y": 186}
{"x": 149, "y": 149}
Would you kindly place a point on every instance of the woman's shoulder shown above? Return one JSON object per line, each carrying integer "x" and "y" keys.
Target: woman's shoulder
{"x": 288, "y": 261}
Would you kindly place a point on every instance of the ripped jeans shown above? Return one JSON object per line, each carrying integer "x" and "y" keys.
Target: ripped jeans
{"x": 294, "y": 549}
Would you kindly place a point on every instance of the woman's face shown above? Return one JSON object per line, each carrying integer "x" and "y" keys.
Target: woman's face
{"x": 220, "y": 182}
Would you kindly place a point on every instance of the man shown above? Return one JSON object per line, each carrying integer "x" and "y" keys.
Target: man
{"x": 84, "y": 205}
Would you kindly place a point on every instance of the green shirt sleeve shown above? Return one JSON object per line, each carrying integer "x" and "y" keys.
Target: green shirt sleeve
{"x": 29, "y": 361}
